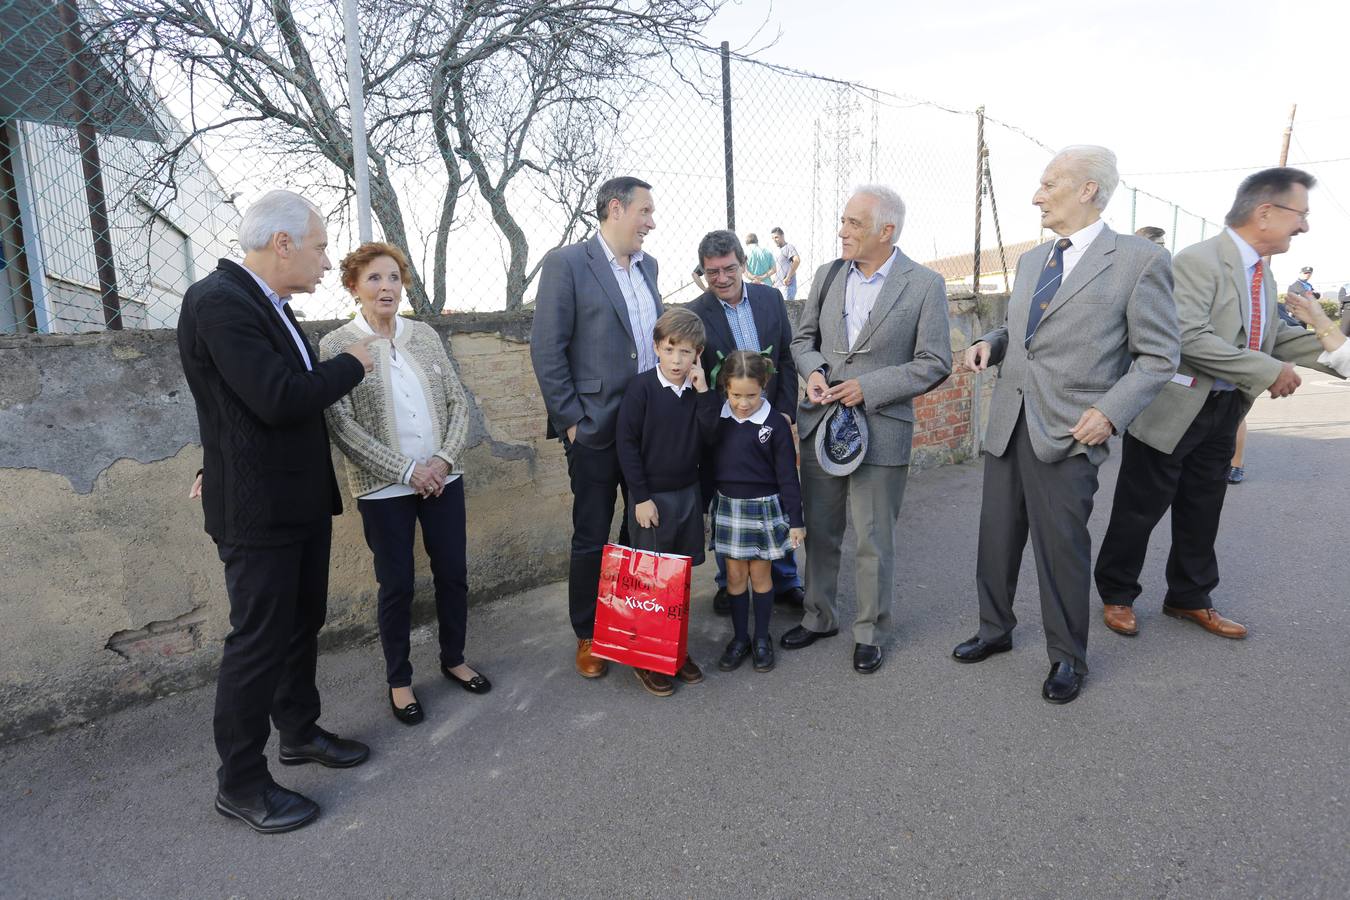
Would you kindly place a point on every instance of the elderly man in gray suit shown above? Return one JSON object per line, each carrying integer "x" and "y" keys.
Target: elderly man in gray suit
{"x": 593, "y": 319}
{"x": 1090, "y": 340}
{"x": 873, "y": 338}
{"x": 1234, "y": 346}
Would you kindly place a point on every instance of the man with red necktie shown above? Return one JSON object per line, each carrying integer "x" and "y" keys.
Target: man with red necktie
{"x": 1176, "y": 453}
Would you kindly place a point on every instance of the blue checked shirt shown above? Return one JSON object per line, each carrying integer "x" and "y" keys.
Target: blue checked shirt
{"x": 742, "y": 321}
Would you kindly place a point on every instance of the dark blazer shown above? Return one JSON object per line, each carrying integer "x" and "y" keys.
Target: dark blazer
{"x": 267, "y": 472}
{"x": 582, "y": 343}
{"x": 774, "y": 329}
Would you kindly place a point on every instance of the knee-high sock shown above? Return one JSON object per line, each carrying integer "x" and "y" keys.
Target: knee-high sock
{"x": 740, "y": 615}
{"x": 763, "y": 609}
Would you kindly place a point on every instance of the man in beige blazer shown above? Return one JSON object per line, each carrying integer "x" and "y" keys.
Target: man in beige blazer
{"x": 1091, "y": 338}
{"x": 1177, "y": 451}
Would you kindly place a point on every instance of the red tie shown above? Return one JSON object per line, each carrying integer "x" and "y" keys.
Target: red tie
{"x": 1254, "y": 333}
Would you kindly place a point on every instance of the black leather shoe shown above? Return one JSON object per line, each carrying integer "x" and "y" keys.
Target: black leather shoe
{"x": 722, "y": 602}
{"x": 734, "y": 655}
{"x": 793, "y": 597}
{"x": 475, "y": 685}
{"x": 976, "y": 649}
{"x": 762, "y": 652}
{"x": 1062, "y": 684}
{"x": 326, "y": 749}
{"x": 271, "y": 812}
{"x": 801, "y": 636}
{"x": 408, "y": 715}
{"x": 866, "y": 658}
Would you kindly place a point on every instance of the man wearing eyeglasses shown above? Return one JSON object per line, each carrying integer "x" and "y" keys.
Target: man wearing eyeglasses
{"x": 1176, "y": 453}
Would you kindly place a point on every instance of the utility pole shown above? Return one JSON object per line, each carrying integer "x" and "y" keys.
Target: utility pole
{"x": 1288, "y": 133}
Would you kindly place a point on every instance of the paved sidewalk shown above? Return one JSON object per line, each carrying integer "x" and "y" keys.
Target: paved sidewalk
{"x": 1190, "y": 767}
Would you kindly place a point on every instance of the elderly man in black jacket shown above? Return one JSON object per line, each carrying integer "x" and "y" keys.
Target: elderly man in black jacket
{"x": 269, "y": 494}
{"x": 742, "y": 316}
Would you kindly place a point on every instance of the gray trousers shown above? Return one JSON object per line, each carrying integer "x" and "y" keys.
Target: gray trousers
{"x": 873, "y": 495}
{"x": 1053, "y": 501}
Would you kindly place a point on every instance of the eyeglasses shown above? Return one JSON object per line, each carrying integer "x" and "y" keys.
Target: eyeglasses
{"x": 1301, "y": 213}
{"x": 728, "y": 271}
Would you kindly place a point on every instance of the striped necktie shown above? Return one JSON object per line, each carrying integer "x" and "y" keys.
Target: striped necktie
{"x": 1051, "y": 276}
{"x": 1254, "y": 332}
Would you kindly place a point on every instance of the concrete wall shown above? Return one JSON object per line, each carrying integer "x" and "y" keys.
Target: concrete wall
{"x": 110, "y": 592}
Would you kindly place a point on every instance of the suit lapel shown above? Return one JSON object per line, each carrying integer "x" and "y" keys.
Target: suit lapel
{"x": 647, "y": 276}
{"x": 717, "y": 317}
{"x": 604, "y": 273}
{"x": 1237, "y": 275}
{"x": 279, "y": 333}
{"x": 891, "y": 289}
{"x": 1096, "y": 260}
{"x": 309, "y": 351}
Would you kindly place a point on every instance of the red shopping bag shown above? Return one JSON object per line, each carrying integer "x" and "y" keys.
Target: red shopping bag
{"x": 642, "y": 609}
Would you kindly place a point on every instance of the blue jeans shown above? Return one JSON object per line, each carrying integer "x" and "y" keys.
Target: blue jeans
{"x": 785, "y": 574}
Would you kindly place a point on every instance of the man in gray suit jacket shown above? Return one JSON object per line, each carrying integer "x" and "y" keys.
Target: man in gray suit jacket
{"x": 1091, "y": 338}
{"x": 593, "y": 319}
{"x": 1176, "y": 452}
{"x": 878, "y": 338}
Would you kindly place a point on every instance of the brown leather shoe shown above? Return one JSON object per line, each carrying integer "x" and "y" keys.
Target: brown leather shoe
{"x": 655, "y": 682}
{"x": 690, "y": 673}
{"x": 1210, "y": 620}
{"x": 1120, "y": 619}
{"x": 589, "y": 666}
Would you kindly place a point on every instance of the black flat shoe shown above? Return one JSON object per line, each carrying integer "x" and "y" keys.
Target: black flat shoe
{"x": 975, "y": 649}
{"x": 1062, "y": 684}
{"x": 326, "y": 749}
{"x": 866, "y": 658}
{"x": 762, "y": 654}
{"x": 801, "y": 636}
{"x": 475, "y": 685}
{"x": 793, "y": 597}
{"x": 734, "y": 655}
{"x": 272, "y": 811}
{"x": 408, "y": 715}
{"x": 722, "y": 602}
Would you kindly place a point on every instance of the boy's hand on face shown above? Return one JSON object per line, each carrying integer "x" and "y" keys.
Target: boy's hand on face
{"x": 646, "y": 515}
{"x": 699, "y": 380}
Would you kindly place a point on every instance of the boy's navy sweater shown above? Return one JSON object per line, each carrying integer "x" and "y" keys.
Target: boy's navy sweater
{"x": 660, "y": 437}
{"x": 757, "y": 460}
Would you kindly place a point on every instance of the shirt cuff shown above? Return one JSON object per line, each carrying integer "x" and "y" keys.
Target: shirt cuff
{"x": 407, "y": 473}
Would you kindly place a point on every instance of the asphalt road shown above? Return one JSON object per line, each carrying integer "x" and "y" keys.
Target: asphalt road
{"x": 1191, "y": 766}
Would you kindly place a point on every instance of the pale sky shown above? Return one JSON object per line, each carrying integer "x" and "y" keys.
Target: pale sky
{"x": 1170, "y": 87}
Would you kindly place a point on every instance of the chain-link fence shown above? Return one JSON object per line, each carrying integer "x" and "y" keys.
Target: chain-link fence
{"x": 134, "y": 132}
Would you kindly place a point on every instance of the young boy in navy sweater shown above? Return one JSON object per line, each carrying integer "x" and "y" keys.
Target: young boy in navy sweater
{"x": 667, "y": 417}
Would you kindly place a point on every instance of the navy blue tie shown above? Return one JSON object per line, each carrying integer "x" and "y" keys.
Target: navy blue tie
{"x": 1051, "y": 276}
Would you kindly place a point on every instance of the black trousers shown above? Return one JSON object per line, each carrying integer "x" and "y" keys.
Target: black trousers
{"x": 389, "y": 526}
{"x": 1192, "y": 480}
{"x": 596, "y": 482}
{"x": 1052, "y": 502}
{"x": 278, "y": 601}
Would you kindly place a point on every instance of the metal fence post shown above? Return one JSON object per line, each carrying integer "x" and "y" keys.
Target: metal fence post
{"x": 356, "y": 97}
{"x": 1174, "y": 228}
{"x": 979, "y": 197}
{"x": 726, "y": 135}
{"x": 1134, "y": 209}
{"x": 91, "y": 167}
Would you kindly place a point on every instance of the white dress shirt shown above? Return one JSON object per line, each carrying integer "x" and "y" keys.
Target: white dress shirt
{"x": 412, "y": 416}
{"x": 679, "y": 389}
{"x": 277, "y": 304}
{"x": 1080, "y": 239}
{"x": 860, "y": 295}
{"x": 641, "y": 305}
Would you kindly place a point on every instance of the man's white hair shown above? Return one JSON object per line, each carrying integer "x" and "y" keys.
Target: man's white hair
{"x": 273, "y": 213}
{"x": 1096, "y": 164}
{"x": 890, "y": 208}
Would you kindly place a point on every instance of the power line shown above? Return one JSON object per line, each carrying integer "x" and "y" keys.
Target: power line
{"x": 1310, "y": 162}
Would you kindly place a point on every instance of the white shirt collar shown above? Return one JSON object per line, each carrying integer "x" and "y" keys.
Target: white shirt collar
{"x": 365, "y": 326}
{"x": 1085, "y": 236}
{"x": 277, "y": 300}
{"x": 759, "y": 416}
{"x": 666, "y": 382}
{"x": 637, "y": 257}
{"x": 1245, "y": 250}
{"x": 882, "y": 270}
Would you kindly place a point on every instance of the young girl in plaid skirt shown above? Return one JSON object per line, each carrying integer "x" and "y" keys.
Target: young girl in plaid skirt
{"x": 757, "y": 509}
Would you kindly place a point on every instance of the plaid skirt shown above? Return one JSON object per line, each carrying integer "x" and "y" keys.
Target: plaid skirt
{"x": 750, "y": 529}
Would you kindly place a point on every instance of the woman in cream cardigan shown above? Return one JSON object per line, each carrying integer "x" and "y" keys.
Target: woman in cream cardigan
{"x": 403, "y": 431}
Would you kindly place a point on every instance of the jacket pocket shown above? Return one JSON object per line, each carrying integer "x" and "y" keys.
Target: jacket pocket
{"x": 901, "y": 412}
{"x": 588, "y": 386}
